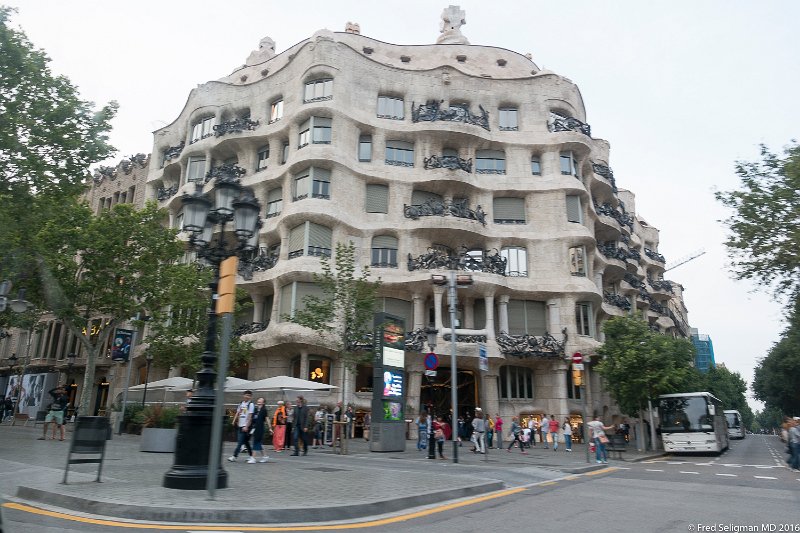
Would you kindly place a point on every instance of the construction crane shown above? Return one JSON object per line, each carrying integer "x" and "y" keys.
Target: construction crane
{"x": 683, "y": 260}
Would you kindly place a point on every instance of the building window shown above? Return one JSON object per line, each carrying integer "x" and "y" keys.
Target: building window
{"x": 516, "y": 261}
{"x": 321, "y": 183}
{"x": 305, "y": 135}
{"x": 285, "y": 152}
{"x": 319, "y": 369}
{"x": 274, "y": 202}
{"x": 318, "y": 90}
{"x": 536, "y": 166}
{"x": 574, "y": 211}
{"x": 569, "y": 165}
{"x": 310, "y": 239}
{"x": 292, "y": 297}
{"x": 526, "y": 317}
{"x": 490, "y": 162}
{"x": 577, "y": 261}
{"x": 508, "y": 119}
{"x": 365, "y": 148}
{"x": 399, "y": 153}
{"x": 321, "y": 130}
{"x": 516, "y": 383}
{"x": 276, "y": 111}
{"x": 390, "y": 107}
{"x": 262, "y": 156}
{"x": 509, "y": 211}
{"x": 196, "y": 170}
{"x": 202, "y": 129}
{"x": 384, "y": 251}
{"x": 573, "y": 391}
{"x": 584, "y": 320}
{"x": 377, "y": 198}
{"x": 301, "y": 186}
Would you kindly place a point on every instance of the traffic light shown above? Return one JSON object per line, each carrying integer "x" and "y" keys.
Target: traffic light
{"x": 226, "y": 288}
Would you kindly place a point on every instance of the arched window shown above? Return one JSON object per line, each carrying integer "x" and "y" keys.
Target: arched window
{"x": 318, "y": 90}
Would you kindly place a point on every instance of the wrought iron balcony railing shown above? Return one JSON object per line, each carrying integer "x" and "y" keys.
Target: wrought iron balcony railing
{"x": 617, "y": 300}
{"x": 173, "y": 151}
{"x": 465, "y": 338}
{"x": 612, "y": 251}
{"x": 165, "y": 193}
{"x": 225, "y": 171}
{"x": 439, "y": 259}
{"x": 661, "y": 285}
{"x": 545, "y": 346}
{"x": 261, "y": 263}
{"x": 655, "y": 256}
{"x": 247, "y": 329}
{"x": 237, "y": 125}
{"x": 622, "y": 218}
{"x": 633, "y": 281}
{"x": 606, "y": 172}
{"x": 432, "y": 111}
{"x": 451, "y": 162}
{"x": 434, "y": 207}
{"x": 561, "y": 123}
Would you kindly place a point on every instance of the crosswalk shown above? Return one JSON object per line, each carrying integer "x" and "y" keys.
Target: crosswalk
{"x": 751, "y": 471}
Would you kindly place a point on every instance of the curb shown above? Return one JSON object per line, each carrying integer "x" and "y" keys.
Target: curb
{"x": 115, "y": 509}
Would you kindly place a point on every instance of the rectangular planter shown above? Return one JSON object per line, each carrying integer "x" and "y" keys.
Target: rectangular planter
{"x": 159, "y": 440}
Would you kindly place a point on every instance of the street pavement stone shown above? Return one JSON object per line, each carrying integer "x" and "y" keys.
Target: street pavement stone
{"x": 322, "y": 486}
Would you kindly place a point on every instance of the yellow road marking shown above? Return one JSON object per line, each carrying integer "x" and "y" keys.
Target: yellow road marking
{"x": 546, "y": 483}
{"x": 601, "y": 471}
{"x": 372, "y": 523}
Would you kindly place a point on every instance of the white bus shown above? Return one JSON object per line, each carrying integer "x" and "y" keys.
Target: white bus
{"x": 692, "y": 422}
{"x": 735, "y": 425}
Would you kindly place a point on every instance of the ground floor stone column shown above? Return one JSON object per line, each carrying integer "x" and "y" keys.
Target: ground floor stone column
{"x": 489, "y": 300}
{"x": 420, "y": 322}
{"x": 502, "y": 312}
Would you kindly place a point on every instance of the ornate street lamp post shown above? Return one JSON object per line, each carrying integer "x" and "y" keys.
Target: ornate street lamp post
{"x": 205, "y": 220}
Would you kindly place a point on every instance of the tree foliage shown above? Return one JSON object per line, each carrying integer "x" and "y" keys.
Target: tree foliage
{"x": 731, "y": 390}
{"x": 110, "y": 266}
{"x": 777, "y": 376}
{"x": 48, "y": 135}
{"x": 344, "y": 313}
{"x": 639, "y": 364}
{"x": 179, "y": 340}
{"x": 765, "y": 228}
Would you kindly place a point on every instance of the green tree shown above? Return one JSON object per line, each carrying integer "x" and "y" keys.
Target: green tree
{"x": 777, "y": 376}
{"x": 770, "y": 418}
{"x": 48, "y": 139}
{"x": 638, "y": 364}
{"x": 95, "y": 272}
{"x": 179, "y": 341}
{"x": 765, "y": 228}
{"x": 344, "y": 313}
{"x": 731, "y": 389}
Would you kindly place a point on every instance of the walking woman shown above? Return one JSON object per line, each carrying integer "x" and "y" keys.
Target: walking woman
{"x": 600, "y": 439}
{"x": 259, "y": 426}
{"x": 567, "y": 429}
{"x": 441, "y": 432}
{"x": 515, "y": 432}
{"x": 279, "y": 427}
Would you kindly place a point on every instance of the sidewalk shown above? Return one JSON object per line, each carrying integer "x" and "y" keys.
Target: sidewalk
{"x": 320, "y": 487}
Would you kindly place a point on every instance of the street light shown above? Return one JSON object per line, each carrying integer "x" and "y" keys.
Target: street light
{"x": 453, "y": 281}
{"x": 202, "y": 216}
{"x": 149, "y": 358}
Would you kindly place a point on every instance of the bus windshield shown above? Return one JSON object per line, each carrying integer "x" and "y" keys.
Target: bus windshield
{"x": 733, "y": 420}
{"x": 686, "y": 414}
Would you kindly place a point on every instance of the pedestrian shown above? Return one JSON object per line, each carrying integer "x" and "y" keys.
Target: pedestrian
{"x": 8, "y": 408}
{"x": 461, "y": 427}
{"x": 279, "y": 427}
{"x": 441, "y": 433}
{"x": 55, "y": 414}
{"x": 319, "y": 423}
{"x": 478, "y": 432}
{"x": 533, "y": 427}
{"x": 794, "y": 445}
{"x": 489, "y": 431}
{"x": 349, "y": 418}
{"x": 498, "y": 430}
{"x": 554, "y": 431}
{"x": 367, "y": 422}
{"x": 337, "y": 418}
{"x": 567, "y": 429}
{"x": 600, "y": 439}
{"x": 515, "y": 434}
{"x": 545, "y": 425}
{"x": 303, "y": 424}
{"x": 260, "y": 415}
{"x": 243, "y": 422}
{"x": 422, "y": 430}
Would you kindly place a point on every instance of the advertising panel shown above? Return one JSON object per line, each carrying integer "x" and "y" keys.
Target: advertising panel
{"x": 392, "y": 383}
{"x": 121, "y": 348}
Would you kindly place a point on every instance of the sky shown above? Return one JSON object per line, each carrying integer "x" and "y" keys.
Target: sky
{"x": 681, "y": 90}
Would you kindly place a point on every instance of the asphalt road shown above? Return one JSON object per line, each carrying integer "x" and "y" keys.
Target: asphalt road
{"x": 747, "y": 486}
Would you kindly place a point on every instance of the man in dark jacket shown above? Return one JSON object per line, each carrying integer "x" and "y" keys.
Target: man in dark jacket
{"x": 303, "y": 424}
